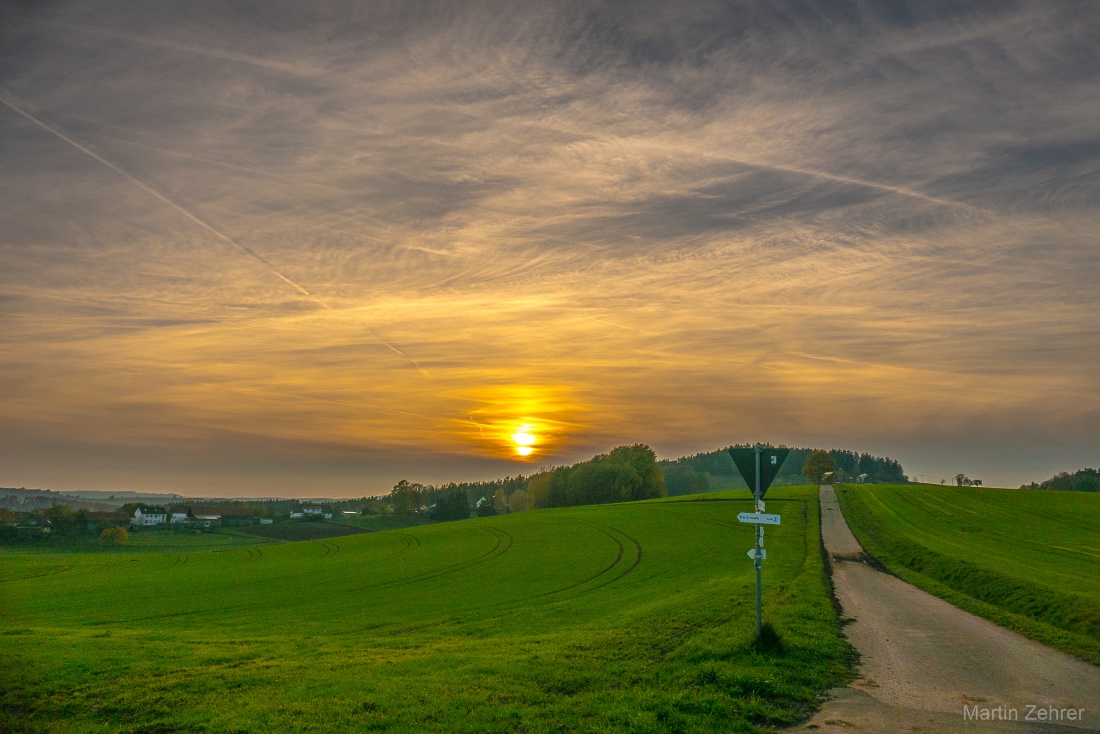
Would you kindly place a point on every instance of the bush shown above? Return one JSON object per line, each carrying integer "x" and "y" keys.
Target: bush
{"x": 114, "y": 536}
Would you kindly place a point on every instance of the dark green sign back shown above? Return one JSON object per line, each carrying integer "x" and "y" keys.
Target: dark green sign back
{"x": 770, "y": 462}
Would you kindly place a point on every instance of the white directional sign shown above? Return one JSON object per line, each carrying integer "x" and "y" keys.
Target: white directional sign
{"x": 758, "y": 517}
{"x": 755, "y": 553}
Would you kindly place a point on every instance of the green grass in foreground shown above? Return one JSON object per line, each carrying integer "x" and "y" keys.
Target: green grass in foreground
{"x": 1028, "y": 560}
{"x": 635, "y": 617}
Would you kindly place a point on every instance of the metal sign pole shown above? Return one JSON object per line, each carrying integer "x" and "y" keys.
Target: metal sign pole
{"x": 752, "y": 466}
{"x": 759, "y": 544}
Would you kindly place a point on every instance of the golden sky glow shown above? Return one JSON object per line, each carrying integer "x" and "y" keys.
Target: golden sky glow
{"x": 332, "y": 247}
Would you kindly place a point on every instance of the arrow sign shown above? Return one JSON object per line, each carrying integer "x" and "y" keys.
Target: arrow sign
{"x": 759, "y": 518}
{"x": 760, "y": 553}
{"x": 770, "y": 462}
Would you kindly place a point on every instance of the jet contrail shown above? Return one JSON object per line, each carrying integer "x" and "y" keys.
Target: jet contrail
{"x": 6, "y": 98}
{"x": 858, "y": 182}
{"x": 12, "y": 102}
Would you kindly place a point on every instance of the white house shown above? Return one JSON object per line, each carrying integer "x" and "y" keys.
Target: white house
{"x": 149, "y": 516}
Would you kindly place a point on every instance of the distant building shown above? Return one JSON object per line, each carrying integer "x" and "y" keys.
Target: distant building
{"x": 183, "y": 515}
{"x": 149, "y": 516}
{"x": 34, "y": 525}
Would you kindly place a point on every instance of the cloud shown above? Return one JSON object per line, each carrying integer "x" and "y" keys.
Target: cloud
{"x": 340, "y": 227}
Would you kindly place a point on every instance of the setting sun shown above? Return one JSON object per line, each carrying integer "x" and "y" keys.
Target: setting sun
{"x": 524, "y": 440}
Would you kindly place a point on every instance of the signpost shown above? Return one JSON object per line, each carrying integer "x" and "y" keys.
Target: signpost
{"x": 759, "y": 466}
{"x": 759, "y": 517}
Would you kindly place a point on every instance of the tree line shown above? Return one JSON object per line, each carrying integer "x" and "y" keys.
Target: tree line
{"x": 715, "y": 469}
{"x": 624, "y": 474}
{"x": 1082, "y": 480}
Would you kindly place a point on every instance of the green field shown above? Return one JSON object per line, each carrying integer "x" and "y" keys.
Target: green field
{"x": 1028, "y": 560}
{"x": 631, "y": 617}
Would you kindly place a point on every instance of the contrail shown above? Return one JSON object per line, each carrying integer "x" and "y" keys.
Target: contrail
{"x": 12, "y": 102}
{"x": 859, "y": 182}
{"x": 609, "y": 323}
{"x": 6, "y": 98}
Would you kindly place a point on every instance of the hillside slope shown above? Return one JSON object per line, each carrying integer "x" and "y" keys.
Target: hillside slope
{"x": 629, "y": 617}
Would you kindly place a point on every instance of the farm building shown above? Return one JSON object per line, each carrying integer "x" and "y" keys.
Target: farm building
{"x": 183, "y": 515}
{"x": 149, "y": 516}
{"x": 34, "y": 525}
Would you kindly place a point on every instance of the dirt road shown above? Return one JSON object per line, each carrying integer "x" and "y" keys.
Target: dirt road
{"x": 927, "y": 665}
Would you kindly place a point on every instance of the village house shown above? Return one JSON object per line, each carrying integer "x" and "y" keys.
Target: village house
{"x": 149, "y": 516}
{"x": 183, "y": 515}
{"x": 34, "y": 525}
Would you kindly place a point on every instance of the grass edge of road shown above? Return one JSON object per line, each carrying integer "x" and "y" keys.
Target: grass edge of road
{"x": 963, "y": 584}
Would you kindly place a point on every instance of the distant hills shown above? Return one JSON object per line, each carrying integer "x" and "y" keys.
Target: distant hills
{"x": 23, "y": 499}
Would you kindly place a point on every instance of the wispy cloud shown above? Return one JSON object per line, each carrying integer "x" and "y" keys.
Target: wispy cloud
{"x": 684, "y": 224}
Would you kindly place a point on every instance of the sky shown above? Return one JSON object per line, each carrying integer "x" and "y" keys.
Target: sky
{"x": 278, "y": 248}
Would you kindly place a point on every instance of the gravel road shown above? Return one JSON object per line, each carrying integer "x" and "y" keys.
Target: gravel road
{"x": 925, "y": 664}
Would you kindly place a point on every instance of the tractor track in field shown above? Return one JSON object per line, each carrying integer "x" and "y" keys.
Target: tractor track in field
{"x": 618, "y": 560}
{"x": 924, "y": 662}
{"x": 1013, "y": 540}
{"x": 66, "y": 569}
{"x": 330, "y": 548}
{"x": 179, "y": 561}
{"x": 622, "y": 550}
{"x": 495, "y": 552}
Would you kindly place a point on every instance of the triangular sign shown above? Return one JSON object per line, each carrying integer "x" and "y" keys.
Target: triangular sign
{"x": 770, "y": 462}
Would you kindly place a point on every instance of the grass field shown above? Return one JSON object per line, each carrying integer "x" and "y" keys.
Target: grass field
{"x": 296, "y": 531}
{"x": 635, "y": 617}
{"x": 1028, "y": 560}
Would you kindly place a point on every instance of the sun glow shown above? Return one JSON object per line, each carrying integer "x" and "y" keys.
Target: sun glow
{"x": 520, "y": 422}
{"x": 524, "y": 440}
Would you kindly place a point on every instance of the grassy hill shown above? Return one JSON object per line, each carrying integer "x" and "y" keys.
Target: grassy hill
{"x": 630, "y": 617}
{"x": 1025, "y": 559}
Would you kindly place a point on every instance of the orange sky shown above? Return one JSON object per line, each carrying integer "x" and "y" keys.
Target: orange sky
{"x": 314, "y": 251}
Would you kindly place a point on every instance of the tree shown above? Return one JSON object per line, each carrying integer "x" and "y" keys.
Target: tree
{"x": 817, "y": 465}
{"x": 500, "y": 500}
{"x": 683, "y": 478}
{"x": 129, "y": 508}
{"x": 624, "y": 474}
{"x": 452, "y": 505}
{"x": 517, "y": 502}
{"x": 407, "y": 497}
{"x": 114, "y": 536}
{"x": 67, "y": 522}
{"x": 538, "y": 487}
